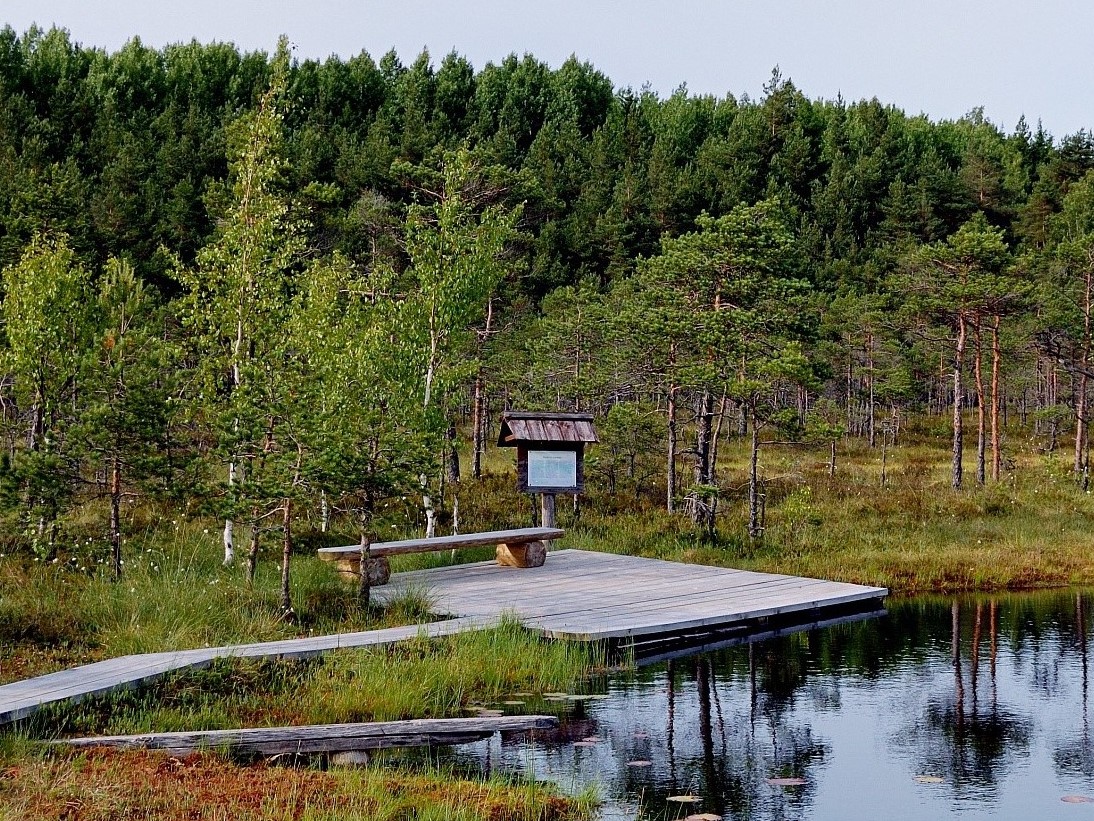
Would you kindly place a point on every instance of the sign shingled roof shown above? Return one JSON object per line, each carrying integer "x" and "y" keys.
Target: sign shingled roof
{"x": 523, "y": 426}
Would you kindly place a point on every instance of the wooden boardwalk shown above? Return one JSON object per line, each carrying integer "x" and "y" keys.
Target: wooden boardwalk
{"x": 24, "y": 698}
{"x": 576, "y": 595}
{"x": 590, "y": 596}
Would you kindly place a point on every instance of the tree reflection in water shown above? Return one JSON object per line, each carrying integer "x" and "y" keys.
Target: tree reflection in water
{"x": 970, "y": 691}
{"x": 1075, "y": 755}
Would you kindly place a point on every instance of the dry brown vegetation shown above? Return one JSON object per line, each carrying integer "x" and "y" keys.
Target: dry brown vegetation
{"x": 105, "y": 785}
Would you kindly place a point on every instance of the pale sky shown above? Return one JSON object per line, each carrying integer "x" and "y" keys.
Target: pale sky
{"x": 939, "y": 57}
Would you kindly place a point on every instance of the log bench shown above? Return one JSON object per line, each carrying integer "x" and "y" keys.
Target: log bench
{"x": 521, "y": 547}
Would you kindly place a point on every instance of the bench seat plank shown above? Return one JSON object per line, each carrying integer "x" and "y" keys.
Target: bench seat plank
{"x": 519, "y": 536}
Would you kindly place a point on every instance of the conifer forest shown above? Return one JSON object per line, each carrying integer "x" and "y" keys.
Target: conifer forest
{"x": 292, "y": 296}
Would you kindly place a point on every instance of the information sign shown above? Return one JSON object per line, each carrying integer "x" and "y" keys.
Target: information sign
{"x": 552, "y": 469}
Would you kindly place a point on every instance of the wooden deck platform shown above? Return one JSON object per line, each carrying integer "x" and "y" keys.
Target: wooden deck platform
{"x": 576, "y": 595}
{"x": 590, "y": 596}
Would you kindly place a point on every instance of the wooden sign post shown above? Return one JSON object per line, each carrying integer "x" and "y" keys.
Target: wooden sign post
{"x": 550, "y": 454}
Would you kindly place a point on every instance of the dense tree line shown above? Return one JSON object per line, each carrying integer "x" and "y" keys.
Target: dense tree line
{"x": 255, "y": 284}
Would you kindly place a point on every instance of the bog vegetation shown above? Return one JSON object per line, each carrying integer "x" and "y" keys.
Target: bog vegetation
{"x": 288, "y": 296}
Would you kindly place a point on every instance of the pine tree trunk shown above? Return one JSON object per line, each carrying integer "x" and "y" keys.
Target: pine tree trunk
{"x": 286, "y": 557}
{"x": 256, "y": 532}
{"x": 884, "y": 459}
{"x": 716, "y": 438}
{"x": 755, "y": 529}
{"x": 427, "y": 506}
{"x": 252, "y": 549}
{"x": 958, "y": 430}
{"x": 700, "y": 509}
{"x": 871, "y": 421}
{"x": 115, "y": 515}
{"x": 981, "y": 416}
{"x": 452, "y": 456}
{"x": 849, "y": 392}
{"x": 670, "y": 490}
{"x": 996, "y": 360}
{"x": 478, "y": 424}
{"x": 364, "y": 587}
{"x": 1082, "y": 425}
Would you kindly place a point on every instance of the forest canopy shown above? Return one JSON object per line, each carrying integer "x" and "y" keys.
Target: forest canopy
{"x": 260, "y": 287}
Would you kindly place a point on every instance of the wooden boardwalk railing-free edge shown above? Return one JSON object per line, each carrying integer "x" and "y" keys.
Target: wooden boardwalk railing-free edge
{"x": 576, "y": 595}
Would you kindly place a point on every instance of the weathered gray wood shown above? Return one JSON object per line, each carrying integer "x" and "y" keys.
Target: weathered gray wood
{"x": 581, "y": 595}
{"x": 716, "y": 641}
{"x": 593, "y": 596}
{"x": 521, "y": 535}
{"x": 323, "y": 738}
{"x": 547, "y": 509}
{"x": 21, "y": 699}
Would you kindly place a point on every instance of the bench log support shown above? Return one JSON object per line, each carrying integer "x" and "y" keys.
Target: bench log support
{"x": 521, "y": 547}
{"x": 349, "y": 568}
{"x": 527, "y": 554}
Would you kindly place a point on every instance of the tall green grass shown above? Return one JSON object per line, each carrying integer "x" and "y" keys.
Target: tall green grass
{"x": 174, "y": 595}
{"x": 420, "y": 678}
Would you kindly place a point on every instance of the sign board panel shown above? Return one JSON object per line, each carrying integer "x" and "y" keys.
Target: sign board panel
{"x": 552, "y": 469}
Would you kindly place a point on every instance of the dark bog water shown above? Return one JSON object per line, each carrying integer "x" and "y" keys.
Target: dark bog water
{"x": 974, "y": 709}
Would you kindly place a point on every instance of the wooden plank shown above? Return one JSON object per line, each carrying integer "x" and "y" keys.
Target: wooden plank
{"x": 562, "y": 580}
{"x": 641, "y": 625}
{"x": 576, "y": 595}
{"x": 521, "y": 535}
{"x": 559, "y": 588}
{"x": 22, "y": 699}
{"x": 652, "y": 598}
{"x": 322, "y": 738}
{"x": 719, "y": 641}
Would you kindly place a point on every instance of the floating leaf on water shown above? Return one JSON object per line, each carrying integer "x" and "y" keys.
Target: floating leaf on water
{"x": 684, "y": 799}
{"x": 597, "y": 696}
{"x": 490, "y": 713}
{"x": 577, "y": 698}
{"x": 584, "y": 743}
{"x": 640, "y": 763}
{"x": 787, "y": 782}
{"x": 523, "y": 695}
{"x": 513, "y": 703}
{"x": 703, "y": 816}
{"x": 1077, "y": 799}
{"x": 929, "y": 779}
{"x": 556, "y": 695}
{"x": 594, "y": 739}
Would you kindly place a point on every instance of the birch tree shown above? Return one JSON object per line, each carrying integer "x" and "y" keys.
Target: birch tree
{"x": 46, "y": 329}
{"x": 237, "y": 294}
{"x": 455, "y": 246}
{"x": 364, "y": 414}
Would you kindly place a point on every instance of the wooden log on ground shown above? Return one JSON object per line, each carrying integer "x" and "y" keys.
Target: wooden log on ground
{"x": 532, "y": 554}
{"x": 322, "y": 738}
{"x": 349, "y": 568}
